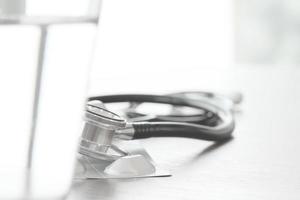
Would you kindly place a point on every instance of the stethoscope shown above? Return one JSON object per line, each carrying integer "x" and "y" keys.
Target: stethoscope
{"x": 212, "y": 119}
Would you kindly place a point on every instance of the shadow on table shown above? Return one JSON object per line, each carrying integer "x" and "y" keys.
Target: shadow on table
{"x": 205, "y": 152}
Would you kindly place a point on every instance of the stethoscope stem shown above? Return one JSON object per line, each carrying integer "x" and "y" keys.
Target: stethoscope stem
{"x": 141, "y": 130}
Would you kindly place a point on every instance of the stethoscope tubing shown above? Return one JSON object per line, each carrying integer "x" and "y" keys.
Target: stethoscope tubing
{"x": 162, "y": 128}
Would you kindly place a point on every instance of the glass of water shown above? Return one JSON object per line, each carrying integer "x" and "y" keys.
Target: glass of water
{"x": 45, "y": 51}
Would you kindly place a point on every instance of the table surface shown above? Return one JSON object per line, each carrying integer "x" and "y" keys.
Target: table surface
{"x": 261, "y": 162}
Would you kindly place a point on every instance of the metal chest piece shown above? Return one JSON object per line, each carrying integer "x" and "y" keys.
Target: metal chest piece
{"x": 100, "y": 131}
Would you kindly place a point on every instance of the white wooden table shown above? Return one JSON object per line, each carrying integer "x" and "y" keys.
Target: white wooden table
{"x": 261, "y": 162}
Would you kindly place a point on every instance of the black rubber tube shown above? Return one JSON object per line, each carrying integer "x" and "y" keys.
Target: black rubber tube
{"x": 186, "y": 130}
{"x": 222, "y": 131}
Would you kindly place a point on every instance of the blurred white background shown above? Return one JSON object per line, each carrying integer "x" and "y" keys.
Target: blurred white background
{"x": 136, "y": 35}
{"x": 268, "y": 31}
{"x": 161, "y": 39}
{"x": 193, "y": 37}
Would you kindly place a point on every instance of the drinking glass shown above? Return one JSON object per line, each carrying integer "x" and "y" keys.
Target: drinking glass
{"x": 45, "y": 51}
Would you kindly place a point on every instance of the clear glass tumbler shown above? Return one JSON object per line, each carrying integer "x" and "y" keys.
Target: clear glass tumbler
{"x": 45, "y": 51}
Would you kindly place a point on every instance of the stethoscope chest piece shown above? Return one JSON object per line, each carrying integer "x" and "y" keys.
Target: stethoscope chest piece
{"x": 99, "y": 131}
